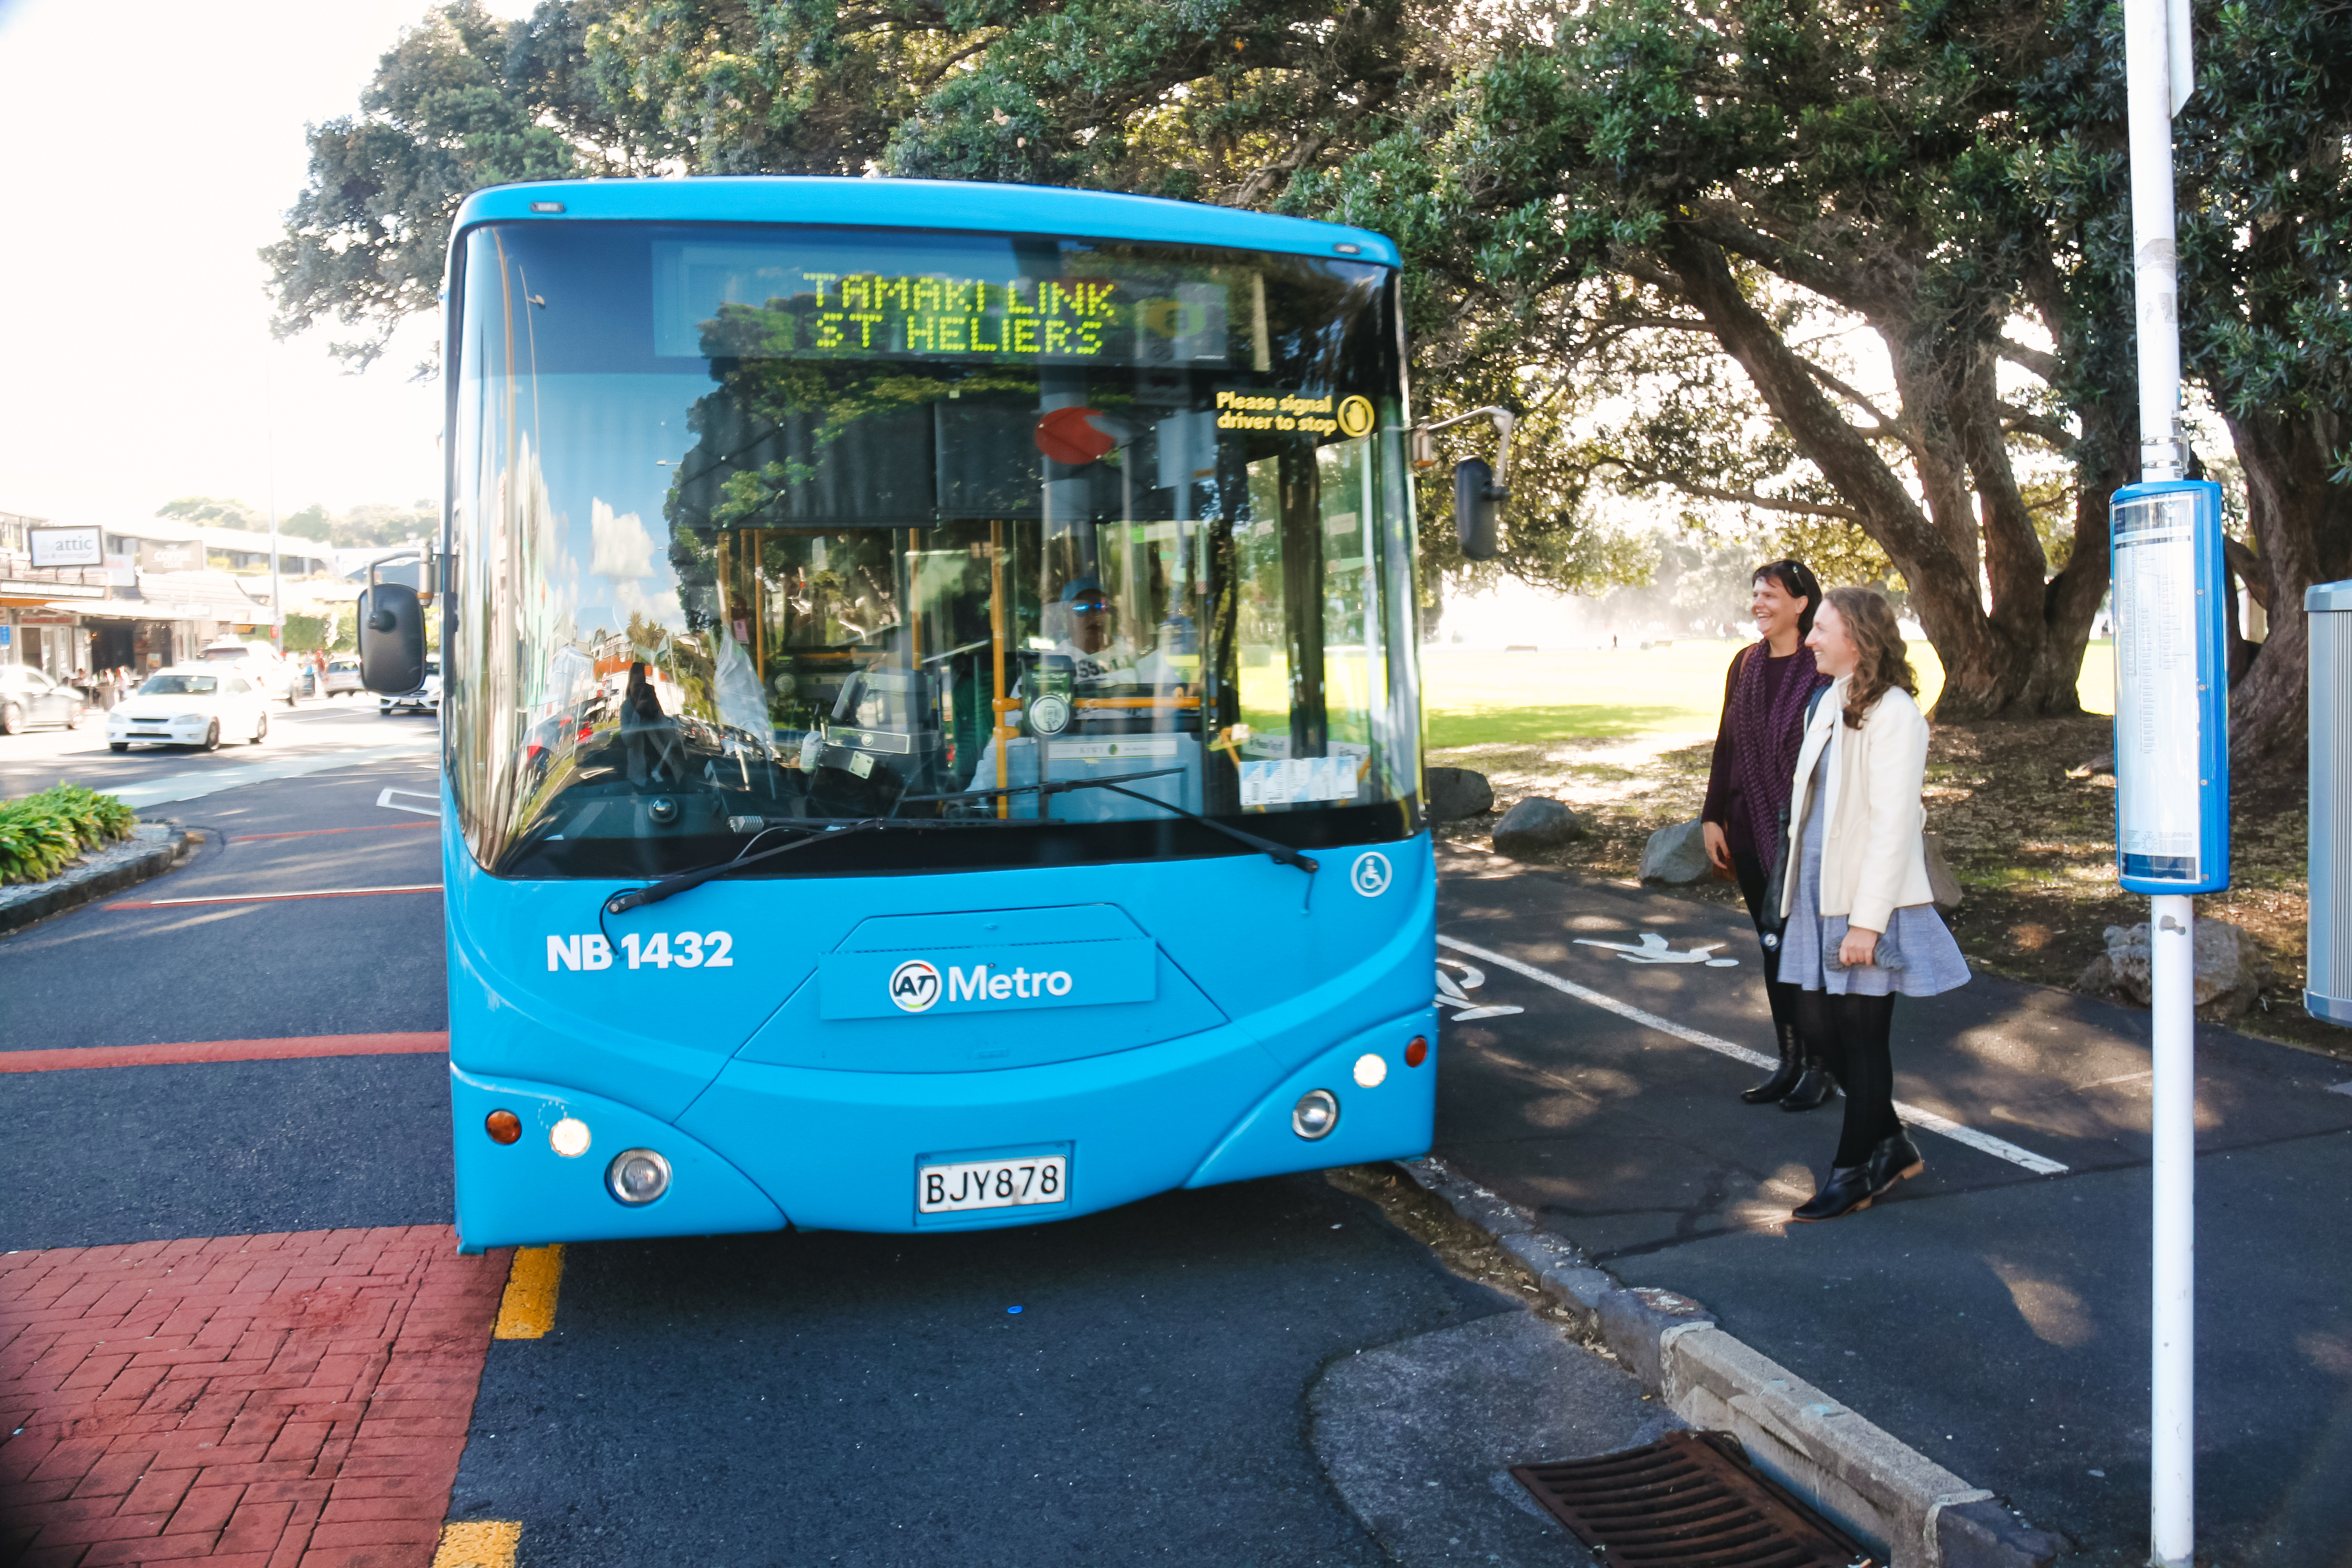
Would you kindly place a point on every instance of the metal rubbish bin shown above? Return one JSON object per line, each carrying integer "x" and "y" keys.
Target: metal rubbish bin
{"x": 2327, "y": 991}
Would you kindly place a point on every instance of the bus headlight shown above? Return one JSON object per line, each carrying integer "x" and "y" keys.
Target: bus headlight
{"x": 637, "y": 1176}
{"x": 1317, "y": 1112}
{"x": 569, "y": 1138}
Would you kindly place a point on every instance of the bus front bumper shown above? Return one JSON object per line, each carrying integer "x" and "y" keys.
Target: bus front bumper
{"x": 841, "y": 1150}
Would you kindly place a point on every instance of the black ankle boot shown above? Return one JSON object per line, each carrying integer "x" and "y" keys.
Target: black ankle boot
{"x": 1784, "y": 1077}
{"x": 1894, "y": 1159}
{"x": 1813, "y": 1089}
{"x": 1846, "y": 1192}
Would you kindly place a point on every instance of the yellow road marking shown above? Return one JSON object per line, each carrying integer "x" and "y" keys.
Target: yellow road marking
{"x": 528, "y": 1310}
{"x": 478, "y": 1543}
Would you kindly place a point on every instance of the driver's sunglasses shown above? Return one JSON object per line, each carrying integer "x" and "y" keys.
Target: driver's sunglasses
{"x": 1088, "y": 606}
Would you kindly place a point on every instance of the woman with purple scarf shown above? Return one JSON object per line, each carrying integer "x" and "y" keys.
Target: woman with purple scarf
{"x": 1765, "y": 697}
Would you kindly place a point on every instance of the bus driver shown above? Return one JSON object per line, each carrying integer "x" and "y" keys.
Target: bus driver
{"x": 1092, "y": 645}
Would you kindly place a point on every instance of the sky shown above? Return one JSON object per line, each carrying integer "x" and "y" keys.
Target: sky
{"x": 149, "y": 160}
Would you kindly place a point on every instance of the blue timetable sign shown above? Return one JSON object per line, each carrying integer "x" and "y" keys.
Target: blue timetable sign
{"x": 2172, "y": 711}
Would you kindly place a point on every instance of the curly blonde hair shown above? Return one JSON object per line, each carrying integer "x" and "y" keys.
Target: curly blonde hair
{"x": 1869, "y": 625}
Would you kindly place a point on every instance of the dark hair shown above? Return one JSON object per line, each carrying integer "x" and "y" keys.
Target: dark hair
{"x": 1871, "y": 626}
{"x": 1796, "y": 580}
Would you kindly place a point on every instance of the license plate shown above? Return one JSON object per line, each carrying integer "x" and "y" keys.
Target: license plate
{"x": 993, "y": 1183}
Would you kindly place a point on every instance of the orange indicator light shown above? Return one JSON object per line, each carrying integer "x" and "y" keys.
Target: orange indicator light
{"x": 1416, "y": 1053}
{"x": 503, "y": 1126}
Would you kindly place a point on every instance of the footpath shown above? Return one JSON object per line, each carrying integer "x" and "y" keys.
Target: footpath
{"x": 1992, "y": 1313}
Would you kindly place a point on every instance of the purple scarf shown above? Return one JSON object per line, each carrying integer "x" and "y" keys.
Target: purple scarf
{"x": 1765, "y": 743}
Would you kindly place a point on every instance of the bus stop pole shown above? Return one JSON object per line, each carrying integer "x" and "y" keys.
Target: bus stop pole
{"x": 2156, "y": 62}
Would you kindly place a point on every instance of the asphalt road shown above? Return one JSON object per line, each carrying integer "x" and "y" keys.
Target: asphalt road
{"x": 1994, "y": 1317}
{"x": 778, "y": 1399}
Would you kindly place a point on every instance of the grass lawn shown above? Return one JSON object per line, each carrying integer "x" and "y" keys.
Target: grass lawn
{"x": 2028, "y": 824}
{"x": 1490, "y": 698}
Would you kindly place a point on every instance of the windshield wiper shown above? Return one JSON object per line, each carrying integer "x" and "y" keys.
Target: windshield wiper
{"x": 831, "y": 831}
{"x": 1281, "y": 854}
{"x": 671, "y": 886}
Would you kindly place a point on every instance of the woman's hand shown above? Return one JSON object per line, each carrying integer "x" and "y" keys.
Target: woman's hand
{"x": 1718, "y": 848}
{"x": 1859, "y": 949}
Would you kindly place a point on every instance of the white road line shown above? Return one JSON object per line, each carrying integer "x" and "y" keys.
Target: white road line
{"x": 212, "y": 779}
{"x": 1985, "y": 1142}
{"x": 2340, "y": 1089}
{"x": 273, "y": 898}
{"x": 389, "y": 804}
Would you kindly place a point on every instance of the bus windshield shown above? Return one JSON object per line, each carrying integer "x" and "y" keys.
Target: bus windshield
{"x": 758, "y": 526}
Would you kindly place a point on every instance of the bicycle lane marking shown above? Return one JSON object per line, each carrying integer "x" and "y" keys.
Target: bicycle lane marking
{"x": 1912, "y": 1115}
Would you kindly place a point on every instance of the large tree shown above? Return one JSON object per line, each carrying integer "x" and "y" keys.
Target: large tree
{"x": 2266, "y": 316}
{"x": 1644, "y": 224}
{"x": 1746, "y": 172}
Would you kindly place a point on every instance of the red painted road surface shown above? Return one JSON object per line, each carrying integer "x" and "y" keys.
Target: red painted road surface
{"x": 293, "y": 1401}
{"x": 419, "y": 1043}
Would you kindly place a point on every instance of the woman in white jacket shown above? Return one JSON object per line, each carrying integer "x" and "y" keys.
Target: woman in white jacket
{"x": 1862, "y": 928}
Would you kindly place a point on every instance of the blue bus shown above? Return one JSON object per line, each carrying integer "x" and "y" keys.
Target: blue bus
{"x": 929, "y": 713}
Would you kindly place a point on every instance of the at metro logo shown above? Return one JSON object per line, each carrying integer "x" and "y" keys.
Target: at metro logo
{"x": 1024, "y": 985}
{"x": 896, "y": 983}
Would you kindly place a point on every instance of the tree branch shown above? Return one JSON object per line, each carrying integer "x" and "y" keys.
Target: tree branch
{"x": 1716, "y": 492}
{"x": 2041, "y": 427}
{"x": 2040, "y": 362}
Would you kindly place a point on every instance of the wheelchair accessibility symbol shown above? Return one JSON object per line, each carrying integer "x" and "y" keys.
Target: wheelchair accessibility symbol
{"x": 1371, "y": 875}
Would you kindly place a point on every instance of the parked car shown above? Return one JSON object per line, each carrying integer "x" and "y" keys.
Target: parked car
{"x": 262, "y": 664}
{"x": 426, "y": 699}
{"x": 28, "y": 696}
{"x": 343, "y": 674}
{"x": 191, "y": 705}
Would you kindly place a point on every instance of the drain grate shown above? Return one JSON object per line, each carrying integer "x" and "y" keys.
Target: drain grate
{"x": 1690, "y": 1500}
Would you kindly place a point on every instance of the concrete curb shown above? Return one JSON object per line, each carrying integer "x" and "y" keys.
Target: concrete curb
{"x": 1904, "y": 1506}
{"x": 153, "y": 848}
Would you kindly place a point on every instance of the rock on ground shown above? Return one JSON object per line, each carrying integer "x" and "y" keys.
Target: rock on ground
{"x": 1456, "y": 793}
{"x": 1676, "y": 857}
{"x": 2229, "y": 976}
{"x": 1535, "y": 825}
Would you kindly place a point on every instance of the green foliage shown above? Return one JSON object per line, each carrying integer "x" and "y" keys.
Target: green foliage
{"x": 1651, "y": 227}
{"x": 2266, "y": 245}
{"x": 213, "y": 512}
{"x": 1665, "y": 218}
{"x": 331, "y": 632}
{"x": 41, "y": 833}
{"x": 462, "y": 101}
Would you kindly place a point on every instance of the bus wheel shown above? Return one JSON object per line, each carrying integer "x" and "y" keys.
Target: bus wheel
{"x": 260, "y": 727}
{"x": 118, "y": 745}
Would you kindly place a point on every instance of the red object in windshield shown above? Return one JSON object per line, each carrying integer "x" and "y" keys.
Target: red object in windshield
{"x": 1071, "y": 435}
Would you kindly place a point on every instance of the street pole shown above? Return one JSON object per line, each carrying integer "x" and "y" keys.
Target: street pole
{"x": 269, "y": 495}
{"x": 2157, "y": 62}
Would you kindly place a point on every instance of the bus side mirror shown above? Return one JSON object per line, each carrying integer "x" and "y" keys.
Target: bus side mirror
{"x": 1477, "y": 506}
{"x": 391, "y": 638}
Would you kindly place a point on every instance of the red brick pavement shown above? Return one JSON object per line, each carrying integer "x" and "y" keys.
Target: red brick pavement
{"x": 261, "y": 1401}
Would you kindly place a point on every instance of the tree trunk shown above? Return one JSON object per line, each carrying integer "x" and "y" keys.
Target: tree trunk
{"x": 2303, "y": 522}
{"x": 2024, "y": 659}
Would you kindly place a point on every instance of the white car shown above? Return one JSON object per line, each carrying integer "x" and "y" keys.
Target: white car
{"x": 426, "y": 699}
{"x": 262, "y": 664}
{"x": 191, "y": 705}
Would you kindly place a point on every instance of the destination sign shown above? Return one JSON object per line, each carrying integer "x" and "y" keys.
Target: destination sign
{"x": 764, "y": 302}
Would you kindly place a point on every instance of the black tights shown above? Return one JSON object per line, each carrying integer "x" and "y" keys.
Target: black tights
{"x": 1849, "y": 1033}
{"x": 1783, "y": 998}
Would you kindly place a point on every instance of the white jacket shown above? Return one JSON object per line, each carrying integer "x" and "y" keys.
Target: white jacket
{"x": 1874, "y": 860}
